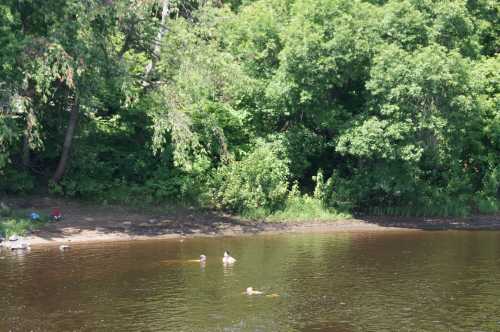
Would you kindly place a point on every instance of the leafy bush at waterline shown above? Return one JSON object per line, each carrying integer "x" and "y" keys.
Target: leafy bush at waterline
{"x": 257, "y": 182}
{"x": 306, "y": 208}
{"x": 19, "y": 226}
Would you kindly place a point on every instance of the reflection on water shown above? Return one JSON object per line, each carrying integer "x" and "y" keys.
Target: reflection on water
{"x": 430, "y": 281}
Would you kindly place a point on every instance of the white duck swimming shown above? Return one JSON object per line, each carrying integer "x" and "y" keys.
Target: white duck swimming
{"x": 227, "y": 259}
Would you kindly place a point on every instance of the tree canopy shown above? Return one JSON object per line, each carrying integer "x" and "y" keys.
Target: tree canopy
{"x": 389, "y": 107}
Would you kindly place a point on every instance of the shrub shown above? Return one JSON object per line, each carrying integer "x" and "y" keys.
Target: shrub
{"x": 487, "y": 204}
{"x": 13, "y": 226}
{"x": 17, "y": 182}
{"x": 174, "y": 185}
{"x": 306, "y": 208}
{"x": 257, "y": 182}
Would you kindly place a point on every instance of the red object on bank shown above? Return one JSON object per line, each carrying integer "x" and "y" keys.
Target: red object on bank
{"x": 56, "y": 214}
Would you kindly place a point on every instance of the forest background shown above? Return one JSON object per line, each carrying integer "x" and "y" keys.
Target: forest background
{"x": 266, "y": 109}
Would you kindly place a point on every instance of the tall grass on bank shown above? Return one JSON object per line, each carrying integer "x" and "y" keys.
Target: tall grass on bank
{"x": 14, "y": 223}
{"x": 13, "y": 226}
{"x": 445, "y": 208}
{"x": 306, "y": 208}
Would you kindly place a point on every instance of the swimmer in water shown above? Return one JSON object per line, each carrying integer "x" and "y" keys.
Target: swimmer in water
{"x": 202, "y": 260}
{"x": 251, "y": 291}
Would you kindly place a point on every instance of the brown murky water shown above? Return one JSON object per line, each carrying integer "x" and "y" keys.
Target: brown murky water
{"x": 411, "y": 281}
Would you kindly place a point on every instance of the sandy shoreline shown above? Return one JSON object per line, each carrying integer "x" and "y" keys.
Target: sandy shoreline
{"x": 86, "y": 223}
{"x": 75, "y": 235}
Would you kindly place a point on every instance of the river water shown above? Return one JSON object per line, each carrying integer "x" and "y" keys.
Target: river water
{"x": 394, "y": 281}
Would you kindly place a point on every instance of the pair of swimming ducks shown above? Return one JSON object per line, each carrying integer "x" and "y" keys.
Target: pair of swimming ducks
{"x": 226, "y": 259}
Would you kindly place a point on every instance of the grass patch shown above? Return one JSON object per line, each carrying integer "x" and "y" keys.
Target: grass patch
{"x": 306, "y": 208}
{"x": 255, "y": 214}
{"x": 446, "y": 209}
{"x": 17, "y": 222}
{"x": 13, "y": 226}
{"x": 488, "y": 205}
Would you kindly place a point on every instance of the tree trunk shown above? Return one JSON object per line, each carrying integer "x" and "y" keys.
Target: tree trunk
{"x": 29, "y": 95}
{"x": 26, "y": 151}
{"x": 159, "y": 37}
{"x": 70, "y": 132}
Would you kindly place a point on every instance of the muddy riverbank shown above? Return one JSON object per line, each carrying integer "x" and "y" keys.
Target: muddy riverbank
{"x": 85, "y": 222}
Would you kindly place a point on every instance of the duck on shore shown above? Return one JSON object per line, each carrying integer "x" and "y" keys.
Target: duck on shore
{"x": 227, "y": 259}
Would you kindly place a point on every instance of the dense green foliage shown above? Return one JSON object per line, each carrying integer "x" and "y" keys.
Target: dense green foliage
{"x": 386, "y": 107}
{"x": 18, "y": 222}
